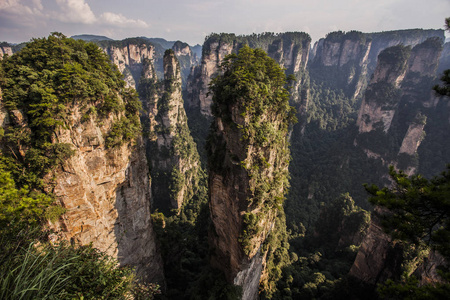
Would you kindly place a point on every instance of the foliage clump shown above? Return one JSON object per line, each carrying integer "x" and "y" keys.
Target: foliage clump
{"x": 251, "y": 101}
{"x": 418, "y": 213}
{"x": 41, "y": 86}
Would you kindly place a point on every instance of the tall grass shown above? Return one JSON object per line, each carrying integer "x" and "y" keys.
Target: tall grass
{"x": 36, "y": 273}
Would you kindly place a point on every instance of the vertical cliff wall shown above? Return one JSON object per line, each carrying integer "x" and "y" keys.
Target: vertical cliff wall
{"x": 129, "y": 56}
{"x": 174, "y": 160}
{"x": 395, "y": 107}
{"x": 391, "y": 131}
{"x": 76, "y": 136}
{"x": 347, "y": 60}
{"x": 5, "y": 50}
{"x": 408, "y": 37}
{"x": 290, "y": 50}
{"x": 106, "y": 192}
{"x": 248, "y": 160}
{"x": 341, "y": 61}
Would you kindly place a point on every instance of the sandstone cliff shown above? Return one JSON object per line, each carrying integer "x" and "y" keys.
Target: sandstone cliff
{"x": 186, "y": 58}
{"x": 408, "y": 37}
{"x": 173, "y": 156}
{"x": 341, "y": 59}
{"x": 347, "y": 60}
{"x": 396, "y": 103}
{"x": 92, "y": 125}
{"x": 290, "y": 50}
{"x": 381, "y": 258}
{"x": 5, "y": 50}
{"x": 129, "y": 56}
{"x": 106, "y": 192}
{"x": 248, "y": 160}
{"x": 107, "y": 196}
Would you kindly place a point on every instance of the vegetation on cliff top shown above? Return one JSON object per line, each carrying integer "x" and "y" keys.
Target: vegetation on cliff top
{"x": 262, "y": 40}
{"x": 253, "y": 85}
{"x": 250, "y": 98}
{"x": 41, "y": 85}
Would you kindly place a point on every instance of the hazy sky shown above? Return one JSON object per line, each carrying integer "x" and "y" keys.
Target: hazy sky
{"x": 192, "y": 20}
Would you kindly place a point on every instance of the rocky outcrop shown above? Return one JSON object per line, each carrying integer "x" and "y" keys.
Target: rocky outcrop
{"x": 5, "y": 50}
{"x": 341, "y": 59}
{"x": 176, "y": 168}
{"x": 107, "y": 196}
{"x": 290, "y": 50}
{"x": 412, "y": 139}
{"x": 381, "y": 258}
{"x": 105, "y": 191}
{"x": 397, "y": 103}
{"x": 248, "y": 161}
{"x": 444, "y": 61}
{"x": 378, "y": 258}
{"x": 408, "y": 37}
{"x": 186, "y": 58}
{"x": 381, "y": 97}
{"x": 347, "y": 60}
{"x": 133, "y": 55}
{"x": 129, "y": 56}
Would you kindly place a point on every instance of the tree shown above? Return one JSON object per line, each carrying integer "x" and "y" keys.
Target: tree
{"x": 445, "y": 88}
{"x": 419, "y": 213}
{"x": 419, "y": 208}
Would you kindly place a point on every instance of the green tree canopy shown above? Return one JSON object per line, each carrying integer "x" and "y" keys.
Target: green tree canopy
{"x": 444, "y": 89}
{"x": 419, "y": 209}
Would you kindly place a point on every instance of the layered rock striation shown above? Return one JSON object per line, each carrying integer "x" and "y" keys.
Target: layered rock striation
{"x": 347, "y": 60}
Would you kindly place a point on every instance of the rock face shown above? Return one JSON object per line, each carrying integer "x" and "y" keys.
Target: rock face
{"x": 5, "y": 50}
{"x": 409, "y": 37}
{"x": 129, "y": 56}
{"x": 381, "y": 258}
{"x": 397, "y": 102}
{"x": 290, "y": 50}
{"x": 247, "y": 181}
{"x": 107, "y": 196}
{"x": 106, "y": 192}
{"x": 344, "y": 56}
{"x": 172, "y": 153}
{"x": 133, "y": 55}
{"x": 378, "y": 258}
{"x": 347, "y": 60}
{"x": 186, "y": 58}
{"x": 378, "y": 109}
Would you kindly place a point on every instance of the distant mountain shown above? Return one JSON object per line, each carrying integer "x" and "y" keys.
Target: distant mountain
{"x": 91, "y": 37}
{"x": 164, "y": 43}
{"x": 197, "y": 49}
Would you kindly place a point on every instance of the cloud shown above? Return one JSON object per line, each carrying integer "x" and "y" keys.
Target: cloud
{"x": 20, "y": 14}
{"x": 74, "y": 11}
{"x": 120, "y": 20}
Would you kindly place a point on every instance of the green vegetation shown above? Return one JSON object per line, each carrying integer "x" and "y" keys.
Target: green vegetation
{"x": 41, "y": 85}
{"x": 250, "y": 98}
{"x": 261, "y": 41}
{"x": 418, "y": 214}
{"x": 254, "y": 83}
{"x": 317, "y": 264}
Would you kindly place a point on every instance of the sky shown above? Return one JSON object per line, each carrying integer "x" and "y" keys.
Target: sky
{"x": 192, "y": 20}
